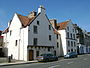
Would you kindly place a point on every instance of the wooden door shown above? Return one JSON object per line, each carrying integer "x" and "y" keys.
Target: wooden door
{"x": 31, "y": 53}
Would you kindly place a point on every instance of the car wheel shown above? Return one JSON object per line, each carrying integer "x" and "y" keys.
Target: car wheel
{"x": 57, "y": 59}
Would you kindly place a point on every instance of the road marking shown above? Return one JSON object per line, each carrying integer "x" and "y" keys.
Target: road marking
{"x": 54, "y": 66}
{"x": 70, "y": 62}
{"x": 62, "y": 60}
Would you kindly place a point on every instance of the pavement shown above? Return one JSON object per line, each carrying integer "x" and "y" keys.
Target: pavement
{"x": 17, "y": 63}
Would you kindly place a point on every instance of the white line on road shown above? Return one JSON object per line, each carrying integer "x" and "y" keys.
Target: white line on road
{"x": 54, "y": 66}
{"x": 70, "y": 62}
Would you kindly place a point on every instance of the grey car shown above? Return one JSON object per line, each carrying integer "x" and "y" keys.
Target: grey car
{"x": 47, "y": 57}
{"x": 71, "y": 55}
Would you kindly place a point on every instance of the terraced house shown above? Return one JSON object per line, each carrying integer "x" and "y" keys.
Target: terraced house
{"x": 29, "y": 36}
{"x": 68, "y": 36}
{"x": 67, "y": 33}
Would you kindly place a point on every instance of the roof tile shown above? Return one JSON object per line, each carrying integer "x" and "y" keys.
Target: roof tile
{"x": 63, "y": 25}
{"x": 25, "y": 20}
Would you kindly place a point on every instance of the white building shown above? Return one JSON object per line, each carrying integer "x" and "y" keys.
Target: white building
{"x": 29, "y": 36}
{"x": 68, "y": 36}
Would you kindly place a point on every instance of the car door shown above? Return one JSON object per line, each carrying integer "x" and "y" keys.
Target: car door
{"x": 51, "y": 57}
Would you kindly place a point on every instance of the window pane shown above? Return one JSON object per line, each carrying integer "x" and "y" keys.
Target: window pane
{"x": 50, "y": 37}
{"x": 71, "y": 35}
{"x": 49, "y": 27}
{"x": 71, "y": 43}
{"x": 57, "y": 36}
{"x": 37, "y": 22}
{"x": 16, "y": 42}
{"x": 57, "y": 44}
{"x": 67, "y": 34}
{"x": 35, "y": 41}
{"x": 68, "y": 43}
{"x": 35, "y": 29}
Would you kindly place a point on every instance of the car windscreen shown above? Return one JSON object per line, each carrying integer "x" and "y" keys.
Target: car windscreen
{"x": 43, "y": 55}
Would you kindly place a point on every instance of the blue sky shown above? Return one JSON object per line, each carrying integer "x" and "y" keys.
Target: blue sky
{"x": 77, "y": 10}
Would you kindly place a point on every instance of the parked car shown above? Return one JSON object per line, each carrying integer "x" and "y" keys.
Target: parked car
{"x": 47, "y": 57}
{"x": 71, "y": 55}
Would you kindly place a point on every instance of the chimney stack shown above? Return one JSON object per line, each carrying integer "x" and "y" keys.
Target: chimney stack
{"x": 32, "y": 14}
{"x": 41, "y": 9}
{"x": 54, "y": 23}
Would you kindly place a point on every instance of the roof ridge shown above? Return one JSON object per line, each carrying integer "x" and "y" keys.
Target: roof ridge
{"x": 64, "y": 21}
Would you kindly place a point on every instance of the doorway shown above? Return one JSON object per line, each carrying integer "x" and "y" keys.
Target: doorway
{"x": 31, "y": 53}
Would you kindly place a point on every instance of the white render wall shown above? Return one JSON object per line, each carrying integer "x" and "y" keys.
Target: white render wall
{"x": 19, "y": 52}
{"x": 23, "y": 44}
{"x": 15, "y": 28}
{"x": 63, "y": 39}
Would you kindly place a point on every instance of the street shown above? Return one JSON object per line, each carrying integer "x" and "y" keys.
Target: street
{"x": 83, "y": 61}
